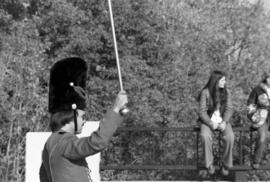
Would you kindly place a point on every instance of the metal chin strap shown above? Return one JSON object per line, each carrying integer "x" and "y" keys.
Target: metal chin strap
{"x": 80, "y": 91}
{"x": 74, "y": 108}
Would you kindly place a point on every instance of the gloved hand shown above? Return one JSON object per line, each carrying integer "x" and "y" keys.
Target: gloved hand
{"x": 120, "y": 101}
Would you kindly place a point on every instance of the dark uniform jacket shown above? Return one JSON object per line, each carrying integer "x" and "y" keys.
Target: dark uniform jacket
{"x": 63, "y": 157}
{"x": 205, "y": 110}
{"x": 258, "y": 100}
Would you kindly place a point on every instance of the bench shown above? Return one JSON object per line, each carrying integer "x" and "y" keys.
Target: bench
{"x": 239, "y": 170}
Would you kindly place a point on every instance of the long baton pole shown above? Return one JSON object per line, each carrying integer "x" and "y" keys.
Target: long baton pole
{"x": 115, "y": 46}
{"x": 124, "y": 110}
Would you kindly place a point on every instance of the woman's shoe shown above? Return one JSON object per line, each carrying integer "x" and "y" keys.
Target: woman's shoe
{"x": 211, "y": 169}
{"x": 256, "y": 165}
{"x": 225, "y": 171}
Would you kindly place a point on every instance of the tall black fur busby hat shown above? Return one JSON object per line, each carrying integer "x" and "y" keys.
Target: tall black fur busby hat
{"x": 67, "y": 85}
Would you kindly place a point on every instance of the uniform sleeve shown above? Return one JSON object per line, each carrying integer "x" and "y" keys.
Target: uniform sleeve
{"x": 252, "y": 103}
{"x": 203, "y": 109}
{"x": 228, "y": 108}
{"x": 42, "y": 174}
{"x": 75, "y": 148}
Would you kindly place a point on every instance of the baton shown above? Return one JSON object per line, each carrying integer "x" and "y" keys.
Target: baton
{"x": 124, "y": 110}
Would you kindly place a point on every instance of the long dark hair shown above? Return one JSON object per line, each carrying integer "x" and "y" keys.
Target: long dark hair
{"x": 265, "y": 76}
{"x": 217, "y": 95}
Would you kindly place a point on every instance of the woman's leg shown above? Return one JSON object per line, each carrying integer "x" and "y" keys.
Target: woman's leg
{"x": 228, "y": 137}
{"x": 207, "y": 141}
{"x": 260, "y": 144}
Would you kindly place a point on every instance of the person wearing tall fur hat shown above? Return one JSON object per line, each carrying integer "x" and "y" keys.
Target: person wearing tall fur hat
{"x": 63, "y": 156}
{"x": 258, "y": 106}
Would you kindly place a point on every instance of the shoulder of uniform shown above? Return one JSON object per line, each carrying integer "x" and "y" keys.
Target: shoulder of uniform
{"x": 69, "y": 136}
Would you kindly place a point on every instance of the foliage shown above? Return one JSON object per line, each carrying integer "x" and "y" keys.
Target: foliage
{"x": 167, "y": 50}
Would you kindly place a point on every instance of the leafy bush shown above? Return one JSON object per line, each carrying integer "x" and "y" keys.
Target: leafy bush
{"x": 167, "y": 50}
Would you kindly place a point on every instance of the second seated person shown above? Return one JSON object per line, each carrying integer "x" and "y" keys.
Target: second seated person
{"x": 258, "y": 112}
{"x": 215, "y": 111}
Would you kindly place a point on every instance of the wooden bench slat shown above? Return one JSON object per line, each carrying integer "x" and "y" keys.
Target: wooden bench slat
{"x": 175, "y": 167}
{"x": 148, "y": 167}
{"x": 190, "y": 129}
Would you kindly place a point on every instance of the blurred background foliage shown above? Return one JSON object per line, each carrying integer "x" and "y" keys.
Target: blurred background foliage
{"x": 167, "y": 49}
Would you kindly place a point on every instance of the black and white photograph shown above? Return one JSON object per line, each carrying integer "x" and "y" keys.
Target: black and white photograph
{"x": 134, "y": 90}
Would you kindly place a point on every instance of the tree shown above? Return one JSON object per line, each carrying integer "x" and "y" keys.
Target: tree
{"x": 167, "y": 50}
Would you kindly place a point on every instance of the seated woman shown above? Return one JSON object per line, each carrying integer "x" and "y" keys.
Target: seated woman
{"x": 258, "y": 108}
{"x": 215, "y": 111}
